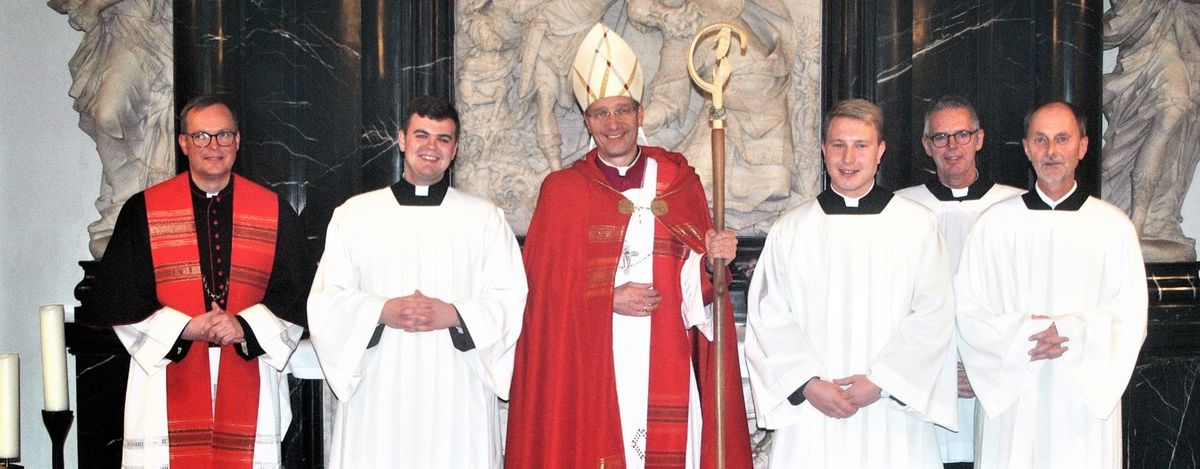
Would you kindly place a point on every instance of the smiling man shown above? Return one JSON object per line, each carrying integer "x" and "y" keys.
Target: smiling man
{"x": 851, "y": 317}
{"x": 616, "y": 350}
{"x": 957, "y": 193}
{"x": 415, "y": 312}
{"x": 1052, "y": 312}
{"x": 204, "y": 280}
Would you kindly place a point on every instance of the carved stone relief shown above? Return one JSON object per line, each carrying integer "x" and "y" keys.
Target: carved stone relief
{"x": 520, "y": 119}
{"x": 122, "y": 75}
{"x": 1151, "y": 100}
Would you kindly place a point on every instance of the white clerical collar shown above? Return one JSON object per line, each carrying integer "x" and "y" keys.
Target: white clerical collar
{"x": 1054, "y": 203}
{"x": 852, "y": 201}
{"x": 420, "y": 191}
{"x": 958, "y": 193}
{"x": 623, "y": 169}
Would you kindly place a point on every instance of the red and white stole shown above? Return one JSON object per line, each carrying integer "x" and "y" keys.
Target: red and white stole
{"x": 198, "y": 438}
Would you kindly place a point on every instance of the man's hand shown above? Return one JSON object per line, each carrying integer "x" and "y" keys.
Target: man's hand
{"x": 827, "y": 398}
{"x": 858, "y": 390}
{"x": 225, "y": 329}
{"x": 418, "y": 313}
{"x": 721, "y": 245}
{"x": 1048, "y": 344}
{"x": 964, "y": 384}
{"x": 197, "y": 328}
{"x": 216, "y": 327}
{"x": 635, "y": 299}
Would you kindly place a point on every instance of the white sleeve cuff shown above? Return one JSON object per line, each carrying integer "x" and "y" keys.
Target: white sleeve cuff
{"x": 149, "y": 341}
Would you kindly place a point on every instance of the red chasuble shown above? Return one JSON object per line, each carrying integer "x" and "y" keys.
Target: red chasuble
{"x": 198, "y": 438}
{"x": 563, "y": 410}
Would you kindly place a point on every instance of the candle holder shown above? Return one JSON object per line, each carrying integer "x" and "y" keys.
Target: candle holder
{"x": 58, "y": 424}
{"x": 10, "y": 463}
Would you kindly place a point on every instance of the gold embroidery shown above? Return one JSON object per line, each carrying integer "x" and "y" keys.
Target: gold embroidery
{"x": 606, "y": 233}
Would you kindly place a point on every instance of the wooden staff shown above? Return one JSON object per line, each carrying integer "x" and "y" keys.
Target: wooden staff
{"x": 721, "y": 73}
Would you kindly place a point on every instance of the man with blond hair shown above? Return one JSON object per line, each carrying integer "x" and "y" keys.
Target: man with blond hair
{"x": 851, "y": 318}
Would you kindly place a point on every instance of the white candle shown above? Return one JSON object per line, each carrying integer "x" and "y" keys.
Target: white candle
{"x": 54, "y": 358}
{"x": 10, "y": 406}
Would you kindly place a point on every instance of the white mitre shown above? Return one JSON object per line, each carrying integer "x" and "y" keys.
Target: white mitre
{"x": 605, "y": 66}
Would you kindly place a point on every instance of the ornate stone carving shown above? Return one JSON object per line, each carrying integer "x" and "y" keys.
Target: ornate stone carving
{"x": 122, "y": 75}
{"x": 520, "y": 121}
{"x": 1151, "y": 100}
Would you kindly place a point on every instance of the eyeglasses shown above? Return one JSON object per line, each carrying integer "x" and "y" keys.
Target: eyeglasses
{"x": 942, "y": 139}
{"x": 202, "y": 139}
{"x": 620, "y": 112}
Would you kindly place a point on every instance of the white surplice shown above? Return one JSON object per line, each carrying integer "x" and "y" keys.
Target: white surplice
{"x": 955, "y": 218}
{"x": 838, "y": 295}
{"x": 1082, "y": 268}
{"x": 149, "y": 341}
{"x": 631, "y": 335}
{"x": 413, "y": 400}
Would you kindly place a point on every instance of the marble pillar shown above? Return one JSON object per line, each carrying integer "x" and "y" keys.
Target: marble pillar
{"x": 1161, "y": 428}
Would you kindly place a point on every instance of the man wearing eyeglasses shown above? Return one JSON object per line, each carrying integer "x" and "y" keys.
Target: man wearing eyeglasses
{"x": 204, "y": 283}
{"x": 615, "y": 353}
{"x": 1051, "y": 312}
{"x": 957, "y": 193}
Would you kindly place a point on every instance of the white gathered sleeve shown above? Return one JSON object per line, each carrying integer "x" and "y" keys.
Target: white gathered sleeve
{"x": 341, "y": 317}
{"x": 994, "y": 347}
{"x": 150, "y": 340}
{"x": 695, "y": 312}
{"x": 277, "y": 337}
{"x": 918, "y": 365}
{"x": 779, "y": 356}
{"x": 1104, "y": 343}
{"x": 493, "y": 316}
{"x": 1104, "y": 320}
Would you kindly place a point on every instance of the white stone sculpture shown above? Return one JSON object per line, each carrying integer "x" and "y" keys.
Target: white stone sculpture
{"x": 1151, "y": 100}
{"x": 122, "y": 84}
{"x": 520, "y": 121}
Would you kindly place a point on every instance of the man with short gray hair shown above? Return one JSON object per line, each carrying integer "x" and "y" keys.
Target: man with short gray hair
{"x": 957, "y": 193}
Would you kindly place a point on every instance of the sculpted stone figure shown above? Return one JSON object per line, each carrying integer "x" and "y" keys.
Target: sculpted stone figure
{"x": 122, "y": 85}
{"x": 762, "y": 164}
{"x": 1152, "y": 143}
{"x": 552, "y": 35}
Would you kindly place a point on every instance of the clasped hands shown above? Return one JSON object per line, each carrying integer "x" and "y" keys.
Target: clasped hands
{"x": 1048, "y": 345}
{"x": 841, "y": 398}
{"x": 418, "y": 313}
{"x": 215, "y": 327}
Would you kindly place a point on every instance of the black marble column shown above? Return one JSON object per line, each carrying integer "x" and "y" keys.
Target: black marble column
{"x": 1069, "y": 46}
{"x": 1161, "y": 427}
{"x": 408, "y": 51}
{"x": 894, "y": 90}
{"x": 968, "y": 48}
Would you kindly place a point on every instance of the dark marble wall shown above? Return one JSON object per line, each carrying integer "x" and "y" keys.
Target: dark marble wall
{"x": 1161, "y": 426}
{"x": 320, "y": 88}
{"x": 1005, "y": 55}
